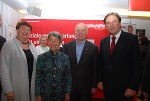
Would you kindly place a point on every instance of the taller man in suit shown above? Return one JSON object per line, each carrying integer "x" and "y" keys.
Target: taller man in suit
{"x": 83, "y": 57}
{"x": 120, "y": 61}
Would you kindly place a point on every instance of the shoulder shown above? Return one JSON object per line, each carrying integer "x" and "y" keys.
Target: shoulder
{"x": 10, "y": 42}
{"x": 90, "y": 43}
{"x": 69, "y": 43}
{"x": 129, "y": 35}
{"x": 129, "y": 38}
{"x": 38, "y": 47}
{"x": 63, "y": 55}
{"x": 104, "y": 39}
{"x": 43, "y": 55}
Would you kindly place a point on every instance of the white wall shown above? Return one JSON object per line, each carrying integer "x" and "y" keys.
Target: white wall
{"x": 10, "y": 17}
{"x": 140, "y": 24}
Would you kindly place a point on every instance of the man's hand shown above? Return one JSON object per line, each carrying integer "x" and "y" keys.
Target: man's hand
{"x": 67, "y": 97}
{"x": 10, "y": 96}
{"x": 129, "y": 92}
{"x": 100, "y": 85}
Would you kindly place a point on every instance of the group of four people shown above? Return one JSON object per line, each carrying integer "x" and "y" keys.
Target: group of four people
{"x": 73, "y": 73}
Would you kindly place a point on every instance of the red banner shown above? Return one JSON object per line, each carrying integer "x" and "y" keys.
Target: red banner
{"x": 96, "y": 29}
{"x": 139, "y": 5}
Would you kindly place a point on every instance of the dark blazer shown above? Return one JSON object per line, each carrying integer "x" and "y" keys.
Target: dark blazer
{"x": 2, "y": 40}
{"x": 121, "y": 70}
{"x": 84, "y": 74}
{"x": 146, "y": 74}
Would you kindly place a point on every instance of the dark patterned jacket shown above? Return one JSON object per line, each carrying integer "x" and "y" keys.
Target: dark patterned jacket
{"x": 53, "y": 76}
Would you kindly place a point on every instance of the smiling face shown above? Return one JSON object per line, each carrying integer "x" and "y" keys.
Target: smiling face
{"x": 113, "y": 25}
{"x": 54, "y": 43}
{"x": 81, "y": 32}
{"x": 43, "y": 41}
{"x": 23, "y": 32}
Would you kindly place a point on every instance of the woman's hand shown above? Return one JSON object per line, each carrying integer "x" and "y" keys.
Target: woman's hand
{"x": 10, "y": 96}
{"x": 38, "y": 98}
{"x": 67, "y": 97}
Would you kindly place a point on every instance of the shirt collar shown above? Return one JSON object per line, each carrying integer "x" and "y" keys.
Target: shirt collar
{"x": 81, "y": 43}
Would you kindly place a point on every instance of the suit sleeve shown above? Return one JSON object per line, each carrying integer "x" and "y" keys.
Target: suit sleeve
{"x": 136, "y": 64}
{"x": 145, "y": 82}
{"x": 100, "y": 68}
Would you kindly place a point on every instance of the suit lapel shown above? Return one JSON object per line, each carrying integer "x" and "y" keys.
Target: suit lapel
{"x": 107, "y": 45}
{"x": 73, "y": 50}
{"x": 119, "y": 43}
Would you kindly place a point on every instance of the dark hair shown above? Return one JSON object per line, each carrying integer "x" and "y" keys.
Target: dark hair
{"x": 55, "y": 34}
{"x": 25, "y": 23}
{"x": 112, "y": 13}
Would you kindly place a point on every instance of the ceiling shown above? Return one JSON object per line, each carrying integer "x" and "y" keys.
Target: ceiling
{"x": 73, "y": 9}
{"x": 80, "y": 8}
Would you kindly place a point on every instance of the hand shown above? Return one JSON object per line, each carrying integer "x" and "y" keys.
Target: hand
{"x": 145, "y": 94}
{"x": 38, "y": 98}
{"x": 67, "y": 97}
{"x": 10, "y": 96}
{"x": 100, "y": 85}
{"x": 129, "y": 92}
{"x": 93, "y": 90}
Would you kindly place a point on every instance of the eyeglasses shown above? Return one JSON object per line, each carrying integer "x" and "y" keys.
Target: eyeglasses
{"x": 54, "y": 41}
{"x": 26, "y": 30}
{"x": 113, "y": 22}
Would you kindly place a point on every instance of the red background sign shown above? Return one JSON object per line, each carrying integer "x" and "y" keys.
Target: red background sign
{"x": 96, "y": 29}
{"x": 96, "y": 32}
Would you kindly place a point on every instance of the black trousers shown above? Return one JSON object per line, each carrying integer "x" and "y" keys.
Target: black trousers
{"x": 77, "y": 96}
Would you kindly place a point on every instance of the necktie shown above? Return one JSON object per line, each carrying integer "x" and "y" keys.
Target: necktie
{"x": 112, "y": 44}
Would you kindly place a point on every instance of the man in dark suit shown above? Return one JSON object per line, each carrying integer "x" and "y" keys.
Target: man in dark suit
{"x": 120, "y": 61}
{"x": 83, "y": 57}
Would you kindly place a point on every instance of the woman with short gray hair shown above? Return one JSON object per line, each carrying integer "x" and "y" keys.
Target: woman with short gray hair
{"x": 53, "y": 74}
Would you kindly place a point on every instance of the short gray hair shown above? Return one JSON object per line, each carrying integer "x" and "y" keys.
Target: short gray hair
{"x": 55, "y": 34}
{"x": 86, "y": 27}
